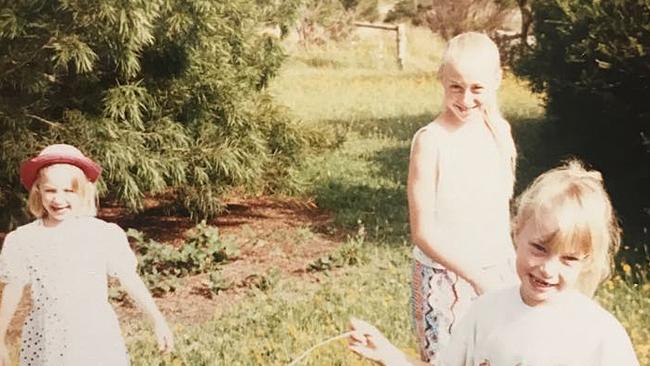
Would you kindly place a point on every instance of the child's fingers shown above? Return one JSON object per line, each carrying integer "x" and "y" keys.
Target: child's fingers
{"x": 363, "y": 351}
{"x": 358, "y": 336}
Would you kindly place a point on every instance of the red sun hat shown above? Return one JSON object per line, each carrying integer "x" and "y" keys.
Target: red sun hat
{"x": 58, "y": 154}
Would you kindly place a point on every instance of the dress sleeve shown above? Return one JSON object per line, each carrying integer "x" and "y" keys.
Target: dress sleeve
{"x": 13, "y": 261}
{"x": 120, "y": 257}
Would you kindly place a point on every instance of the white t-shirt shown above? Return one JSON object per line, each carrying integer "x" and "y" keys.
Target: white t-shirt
{"x": 501, "y": 330}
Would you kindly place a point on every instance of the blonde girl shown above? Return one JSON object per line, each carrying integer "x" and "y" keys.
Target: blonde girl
{"x": 65, "y": 255}
{"x": 566, "y": 234}
{"x": 461, "y": 175}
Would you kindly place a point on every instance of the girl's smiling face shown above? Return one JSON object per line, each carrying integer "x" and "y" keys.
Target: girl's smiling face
{"x": 59, "y": 193}
{"x": 468, "y": 88}
{"x": 545, "y": 273}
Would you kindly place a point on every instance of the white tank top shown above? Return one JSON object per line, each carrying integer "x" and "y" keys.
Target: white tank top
{"x": 473, "y": 188}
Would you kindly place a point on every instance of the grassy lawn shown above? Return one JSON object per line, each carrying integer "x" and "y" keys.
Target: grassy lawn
{"x": 356, "y": 90}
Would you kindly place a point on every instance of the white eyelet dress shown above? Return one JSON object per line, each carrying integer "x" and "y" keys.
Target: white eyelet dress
{"x": 71, "y": 322}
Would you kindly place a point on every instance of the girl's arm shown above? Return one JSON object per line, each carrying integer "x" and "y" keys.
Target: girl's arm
{"x": 11, "y": 295}
{"x": 421, "y": 201}
{"x": 137, "y": 290}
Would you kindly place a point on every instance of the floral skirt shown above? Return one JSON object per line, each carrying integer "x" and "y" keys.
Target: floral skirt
{"x": 439, "y": 298}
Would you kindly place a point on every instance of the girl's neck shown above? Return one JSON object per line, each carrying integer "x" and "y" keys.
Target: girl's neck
{"x": 52, "y": 223}
{"x": 559, "y": 299}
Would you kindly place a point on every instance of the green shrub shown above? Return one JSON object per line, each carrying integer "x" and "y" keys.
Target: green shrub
{"x": 168, "y": 96}
{"x": 591, "y": 60}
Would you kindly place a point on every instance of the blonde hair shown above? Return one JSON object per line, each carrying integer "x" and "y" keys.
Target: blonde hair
{"x": 86, "y": 190}
{"x": 586, "y": 223}
{"x": 465, "y": 49}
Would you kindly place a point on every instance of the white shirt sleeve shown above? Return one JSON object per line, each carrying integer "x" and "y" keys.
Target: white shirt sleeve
{"x": 615, "y": 348}
{"x": 120, "y": 257}
{"x": 13, "y": 264}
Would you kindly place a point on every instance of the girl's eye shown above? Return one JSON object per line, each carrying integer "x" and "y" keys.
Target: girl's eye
{"x": 477, "y": 89}
{"x": 538, "y": 247}
{"x": 456, "y": 87}
{"x": 571, "y": 259}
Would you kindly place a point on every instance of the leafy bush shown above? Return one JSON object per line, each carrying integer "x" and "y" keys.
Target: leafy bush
{"x": 449, "y": 18}
{"x": 161, "y": 265}
{"x": 168, "y": 96}
{"x": 325, "y": 20}
{"x": 363, "y": 9}
{"x": 591, "y": 60}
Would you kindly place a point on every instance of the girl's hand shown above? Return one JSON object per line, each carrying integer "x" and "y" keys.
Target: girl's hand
{"x": 369, "y": 342}
{"x": 164, "y": 336}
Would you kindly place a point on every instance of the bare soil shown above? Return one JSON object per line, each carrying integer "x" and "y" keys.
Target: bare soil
{"x": 280, "y": 234}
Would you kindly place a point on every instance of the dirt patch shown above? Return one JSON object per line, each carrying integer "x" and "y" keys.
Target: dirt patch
{"x": 275, "y": 235}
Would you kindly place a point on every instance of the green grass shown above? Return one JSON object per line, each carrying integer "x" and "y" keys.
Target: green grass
{"x": 353, "y": 89}
{"x": 275, "y": 326}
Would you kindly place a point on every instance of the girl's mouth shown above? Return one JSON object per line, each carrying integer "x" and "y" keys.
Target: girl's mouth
{"x": 60, "y": 209}
{"x": 465, "y": 109}
{"x": 540, "y": 283}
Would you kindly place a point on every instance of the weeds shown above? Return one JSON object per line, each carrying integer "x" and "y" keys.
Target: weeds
{"x": 161, "y": 266}
{"x": 348, "y": 254}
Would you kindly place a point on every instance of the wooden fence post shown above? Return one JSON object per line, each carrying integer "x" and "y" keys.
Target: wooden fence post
{"x": 400, "y": 38}
{"x": 401, "y": 45}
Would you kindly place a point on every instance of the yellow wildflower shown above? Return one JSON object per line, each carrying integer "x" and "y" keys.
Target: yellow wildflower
{"x": 627, "y": 268}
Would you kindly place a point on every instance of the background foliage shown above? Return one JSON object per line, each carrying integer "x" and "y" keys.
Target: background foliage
{"x": 450, "y": 18}
{"x": 168, "y": 95}
{"x": 592, "y": 61}
{"x": 321, "y": 21}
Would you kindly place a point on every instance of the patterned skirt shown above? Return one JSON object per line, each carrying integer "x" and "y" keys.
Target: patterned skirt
{"x": 439, "y": 298}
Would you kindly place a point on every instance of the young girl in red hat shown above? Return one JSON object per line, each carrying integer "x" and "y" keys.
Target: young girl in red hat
{"x": 66, "y": 255}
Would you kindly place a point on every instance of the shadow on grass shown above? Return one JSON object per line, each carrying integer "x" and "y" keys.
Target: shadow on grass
{"x": 538, "y": 148}
{"x": 381, "y": 210}
{"x": 378, "y": 199}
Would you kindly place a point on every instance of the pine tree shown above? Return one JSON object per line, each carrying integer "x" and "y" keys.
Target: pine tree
{"x": 168, "y": 95}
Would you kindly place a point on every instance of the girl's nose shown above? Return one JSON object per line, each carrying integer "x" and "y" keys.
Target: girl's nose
{"x": 58, "y": 198}
{"x": 468, "y": 98}
{"x": 550, "y": 267}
